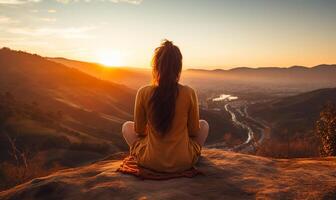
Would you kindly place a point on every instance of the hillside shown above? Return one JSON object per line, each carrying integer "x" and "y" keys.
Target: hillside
{"x": 292, "y": 121}
{"x": 27, "y": 74}
{"x": 86, "y": 102}
{"x": 288, "y": 111}
{"x": 227, "y": 175}
{"x": 57, "y": 115}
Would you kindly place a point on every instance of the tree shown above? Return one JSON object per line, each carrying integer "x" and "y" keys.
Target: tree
{"x": 326, "y": 130}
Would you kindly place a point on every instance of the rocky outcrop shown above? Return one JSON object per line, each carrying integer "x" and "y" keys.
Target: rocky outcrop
{"x": 227, "y": 175}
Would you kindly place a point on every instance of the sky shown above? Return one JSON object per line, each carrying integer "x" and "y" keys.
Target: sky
{"x": 210, "y": 33}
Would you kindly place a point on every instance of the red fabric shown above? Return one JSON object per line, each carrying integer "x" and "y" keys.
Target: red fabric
{"x": 130, "y": 166}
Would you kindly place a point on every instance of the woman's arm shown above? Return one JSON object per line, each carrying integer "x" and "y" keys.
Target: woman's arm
{"x": 140, "y": 119}
{"x": 193, "y": 115}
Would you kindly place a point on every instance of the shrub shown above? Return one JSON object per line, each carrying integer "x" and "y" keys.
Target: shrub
{"x": 295, "y": 147}
{"x": 12, "y": 173}
{"x": 326, "y": 130}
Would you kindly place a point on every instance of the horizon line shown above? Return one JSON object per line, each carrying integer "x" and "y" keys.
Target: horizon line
{"x": 208, "y": 68}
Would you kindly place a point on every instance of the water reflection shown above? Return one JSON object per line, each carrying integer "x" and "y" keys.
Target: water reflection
{"x": 226, "y": 97}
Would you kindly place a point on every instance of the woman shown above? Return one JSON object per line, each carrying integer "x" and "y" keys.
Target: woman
{"x": 166, "y": 135}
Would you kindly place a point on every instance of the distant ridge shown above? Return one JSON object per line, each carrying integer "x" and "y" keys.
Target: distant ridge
{"x": 130, "y": 76}
{"x": 321, "y": 66}
{"x": 63, "y": 59}
{"x": 319, "y": 76}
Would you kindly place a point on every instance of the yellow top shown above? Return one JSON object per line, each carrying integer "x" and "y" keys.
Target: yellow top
{"x": 175, "y": 151}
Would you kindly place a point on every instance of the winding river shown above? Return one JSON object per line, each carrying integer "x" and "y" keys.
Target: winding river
{"x": 250, "y": 144}
{"x": 250, "y": 134}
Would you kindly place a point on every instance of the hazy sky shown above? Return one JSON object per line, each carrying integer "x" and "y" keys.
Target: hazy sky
{"x": 210, "y": 33}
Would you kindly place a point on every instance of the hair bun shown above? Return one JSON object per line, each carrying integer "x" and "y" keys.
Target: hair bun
{"x": 166, "y": 42}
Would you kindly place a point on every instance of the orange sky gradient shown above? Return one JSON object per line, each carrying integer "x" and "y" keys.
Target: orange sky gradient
{"x": 211, "y": 34}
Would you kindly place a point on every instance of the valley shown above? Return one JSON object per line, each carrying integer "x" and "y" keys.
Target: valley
{"x": 255, "y": 130}
{"x": 272, "y": 126}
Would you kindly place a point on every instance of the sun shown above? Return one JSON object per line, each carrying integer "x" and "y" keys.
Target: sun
{"x": 110, "y": 58}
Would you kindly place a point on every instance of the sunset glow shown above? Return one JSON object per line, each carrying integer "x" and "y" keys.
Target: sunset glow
{"x": 110, "y": 58}
{"x": 211, "y": 34}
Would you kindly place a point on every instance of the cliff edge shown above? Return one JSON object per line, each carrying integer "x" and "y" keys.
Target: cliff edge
{"x": 228, "y": 175}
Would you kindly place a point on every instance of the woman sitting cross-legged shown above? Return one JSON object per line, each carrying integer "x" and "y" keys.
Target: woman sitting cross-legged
{"x": 167, "y": 134}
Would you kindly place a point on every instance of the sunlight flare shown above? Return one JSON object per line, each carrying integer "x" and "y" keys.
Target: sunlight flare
{"x": 110, "y": 58}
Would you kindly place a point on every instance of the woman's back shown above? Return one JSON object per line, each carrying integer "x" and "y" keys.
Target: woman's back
{"x": 174, "y": 150}
{"x": 166, "y": 135}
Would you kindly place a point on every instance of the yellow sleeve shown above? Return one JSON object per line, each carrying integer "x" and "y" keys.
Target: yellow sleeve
{"x": 140, "y": 119}
{"x": 193, "y": 115}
